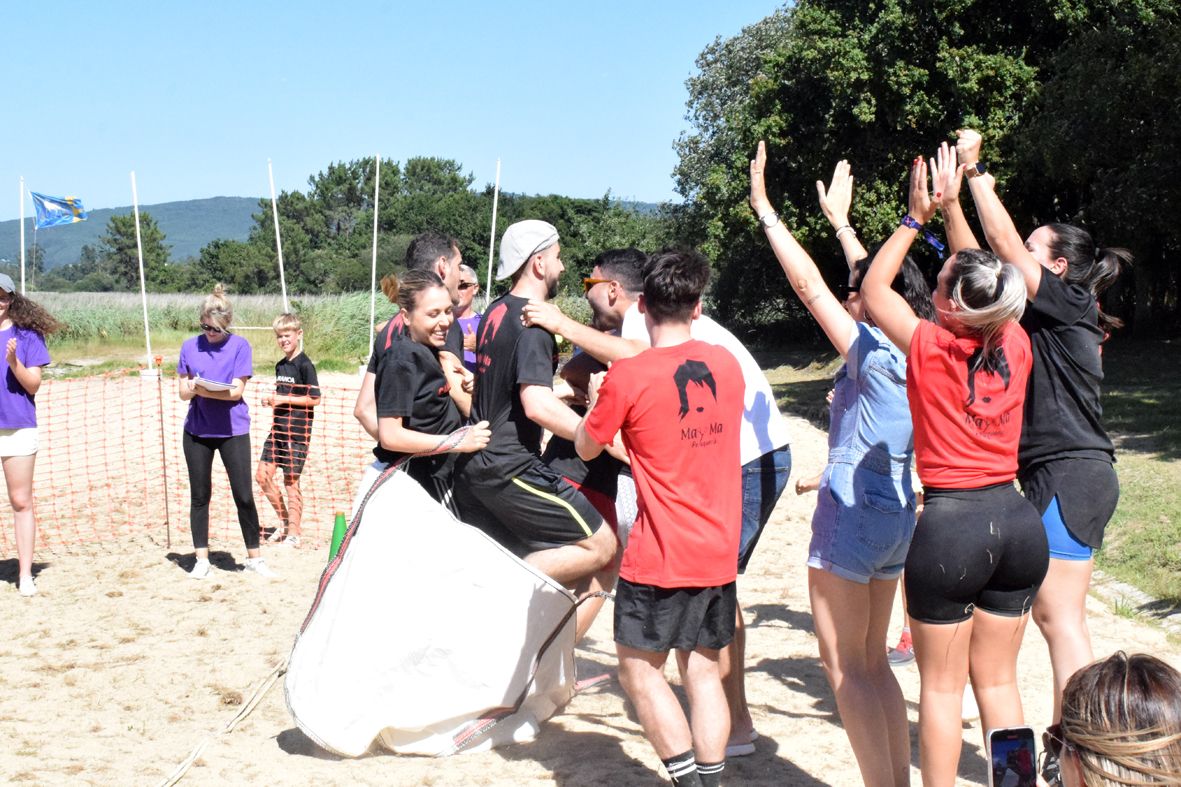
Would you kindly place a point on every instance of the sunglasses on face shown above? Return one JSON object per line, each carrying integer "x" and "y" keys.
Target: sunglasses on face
{"x": 845, "y": 290}
{"x": 587, "y": 283}
{"x": 212, "y": 328}
{"x": 467, "y": 285}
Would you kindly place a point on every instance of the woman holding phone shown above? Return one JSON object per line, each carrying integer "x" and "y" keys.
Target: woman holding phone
{"x": 212, "y": 372}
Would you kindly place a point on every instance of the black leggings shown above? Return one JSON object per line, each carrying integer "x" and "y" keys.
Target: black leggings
{"x": 975, "y": 548}
{"x": 235, "y": 455}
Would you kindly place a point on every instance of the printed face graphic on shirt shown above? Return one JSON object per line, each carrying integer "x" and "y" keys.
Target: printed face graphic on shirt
{"x": 980, "y": 416}
{"x": 698, "y": 393}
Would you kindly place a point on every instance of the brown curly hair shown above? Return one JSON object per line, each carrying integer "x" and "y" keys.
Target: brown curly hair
{"x": 29, "y": 314}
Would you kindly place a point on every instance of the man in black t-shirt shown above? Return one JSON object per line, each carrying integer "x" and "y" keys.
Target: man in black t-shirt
{"x": 505, "y": 489}
{"x": 430, "y": 251}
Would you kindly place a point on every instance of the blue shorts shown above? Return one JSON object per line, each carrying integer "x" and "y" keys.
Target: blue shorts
{"x": 1063, "y": 544}
{"x": 763, "y": 481}
{"x": 862, "y": 526}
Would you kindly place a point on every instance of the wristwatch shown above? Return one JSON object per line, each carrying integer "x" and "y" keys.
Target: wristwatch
{"x": 769, "y": 220}
{"x": 976, "y": 170}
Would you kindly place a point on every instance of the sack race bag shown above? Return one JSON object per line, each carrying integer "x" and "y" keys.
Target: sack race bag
{"x": 426, "y": 635}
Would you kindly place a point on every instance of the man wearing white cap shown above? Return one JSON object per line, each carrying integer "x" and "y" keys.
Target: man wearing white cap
{"x": 505, "y": 489}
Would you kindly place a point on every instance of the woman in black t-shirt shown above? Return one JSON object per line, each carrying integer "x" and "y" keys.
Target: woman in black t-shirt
{"x": 420, "y": 407}
{"x": 1065, "y": 458}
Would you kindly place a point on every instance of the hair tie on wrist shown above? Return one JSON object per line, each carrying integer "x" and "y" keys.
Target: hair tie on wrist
{"x": 928, "y": 236}
{"x": 845, "y": 228}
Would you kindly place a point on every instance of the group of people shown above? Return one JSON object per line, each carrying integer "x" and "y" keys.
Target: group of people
{"x": 651, "y": 468}
{"x": 993, "y": 377}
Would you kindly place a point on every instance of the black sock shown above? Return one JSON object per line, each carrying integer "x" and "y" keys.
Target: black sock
{"x": 682, "y": 769}
{"x": 711, "y": 773}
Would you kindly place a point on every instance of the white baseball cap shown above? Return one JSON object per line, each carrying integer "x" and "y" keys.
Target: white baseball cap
{"x": 521, "y": 241}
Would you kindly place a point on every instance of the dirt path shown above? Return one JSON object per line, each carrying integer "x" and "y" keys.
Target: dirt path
{"x": 123, "y": 665}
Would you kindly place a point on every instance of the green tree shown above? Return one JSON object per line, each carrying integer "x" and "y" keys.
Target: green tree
{"x": 120, "y": 256}
{"x": 876, "y": 83}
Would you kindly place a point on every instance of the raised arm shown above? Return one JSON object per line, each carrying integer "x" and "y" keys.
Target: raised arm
{"x": 999, "y": 230}
{"x": 835, "y": 203}
{"x": 603, "y": 347}
{"x": 890, "y": 310}
{"x": 801, "y": 271}
{"x": 946, "y": 178}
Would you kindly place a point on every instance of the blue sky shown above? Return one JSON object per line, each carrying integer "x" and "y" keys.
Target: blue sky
{"x": 575, "y": 99}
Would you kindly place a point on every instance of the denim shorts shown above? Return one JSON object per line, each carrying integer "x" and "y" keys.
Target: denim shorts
{"x": 862, "y": 526}
{"x": 763, "y": 481}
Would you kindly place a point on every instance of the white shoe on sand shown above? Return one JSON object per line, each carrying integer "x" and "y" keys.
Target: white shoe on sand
{"x": 27, "y": 587}
{"x": 260, "y": 567}
{"x": 200, "y": 570}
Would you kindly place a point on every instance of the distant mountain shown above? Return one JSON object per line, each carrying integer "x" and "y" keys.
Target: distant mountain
{"x": 187, "y": 226}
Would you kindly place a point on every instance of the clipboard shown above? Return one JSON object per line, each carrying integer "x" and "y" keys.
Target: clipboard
{"x": 213, "y": 385}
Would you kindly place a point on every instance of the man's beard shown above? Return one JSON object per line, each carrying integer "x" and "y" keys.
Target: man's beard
{"x": 552, "y": 292}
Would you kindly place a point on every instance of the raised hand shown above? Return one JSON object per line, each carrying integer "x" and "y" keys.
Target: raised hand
{"x": 967, "y": 145}
{"x": 10, "y": 352}
{"x": 946, "y": 175}
{"x": 469, "y": 338}
{"x": 592, "y": 388}
{"x": 758, "y": 185}
{"x": 835, "y": 201}
{"x": 543, "y": 315}
{"x": 922, "y": 208}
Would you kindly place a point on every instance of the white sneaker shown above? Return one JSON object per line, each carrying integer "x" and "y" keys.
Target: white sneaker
{"x": 260, "y": 567}
{"x": 27, "y": 588}
{"x": 200, "y": 570}
{"x": 291, "y": 541}
{"x": 276, "y": 535}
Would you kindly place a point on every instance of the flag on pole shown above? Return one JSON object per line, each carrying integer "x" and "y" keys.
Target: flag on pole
{"x": 54, "y": 211}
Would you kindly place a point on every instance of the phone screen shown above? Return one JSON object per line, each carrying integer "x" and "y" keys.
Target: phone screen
{"x": 1012, "y": 757}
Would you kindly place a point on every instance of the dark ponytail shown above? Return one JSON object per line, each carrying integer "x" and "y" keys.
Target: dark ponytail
{"x": 404, "y": 290}
{"x": 1094, "y": 267}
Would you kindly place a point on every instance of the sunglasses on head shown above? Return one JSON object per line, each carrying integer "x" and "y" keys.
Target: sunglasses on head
{"x": 212, "y": 328}
{"x": 588, "y": 282}
{"x": 467, "y": 285}
{"x": 845, "y": 290}
{"x": 1052, "y": 746}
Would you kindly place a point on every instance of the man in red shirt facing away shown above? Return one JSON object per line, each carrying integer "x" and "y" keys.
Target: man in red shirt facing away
{"x": 679, "y": 406}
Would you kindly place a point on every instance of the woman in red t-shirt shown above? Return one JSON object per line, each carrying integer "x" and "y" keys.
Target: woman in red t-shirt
{"x": 979, "y": 552}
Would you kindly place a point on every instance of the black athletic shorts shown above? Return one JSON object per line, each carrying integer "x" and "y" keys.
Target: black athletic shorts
{"x": 289, "y": 455}
{"x": 975, "y": 549}
{"x": 663, "y": 619}
{"x": 535, "y": 509}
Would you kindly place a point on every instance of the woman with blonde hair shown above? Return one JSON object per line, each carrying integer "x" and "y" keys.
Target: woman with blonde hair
{"x": 1121, "y": 725}
{"x": 979, "y": 552}
{"x": 23, "y": 328}
{"x": 212, "y": 372}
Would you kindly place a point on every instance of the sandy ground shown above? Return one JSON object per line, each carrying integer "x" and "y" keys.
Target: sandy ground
{"x": 122, "y": 666}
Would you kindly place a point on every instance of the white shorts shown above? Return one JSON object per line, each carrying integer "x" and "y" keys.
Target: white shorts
{"x": 19, "y": 442}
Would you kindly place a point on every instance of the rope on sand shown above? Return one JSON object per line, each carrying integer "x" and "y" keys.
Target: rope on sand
{"x": 245, "y": 711}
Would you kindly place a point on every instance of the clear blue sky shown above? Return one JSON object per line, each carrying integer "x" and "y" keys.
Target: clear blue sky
{"x": 575, "y": 98}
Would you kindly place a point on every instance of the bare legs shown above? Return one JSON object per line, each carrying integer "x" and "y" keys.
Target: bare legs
{"x": 18, "y": 476}
{"x": 290, "y": 512}
{"x": 568, "y": 564}
{"x": 642, "y": 674}
{"x": 851, "y": 623}
{"x": 990, "y": 644}
{"x": 731, "y": 663}
{"x": 1060, "y": 611}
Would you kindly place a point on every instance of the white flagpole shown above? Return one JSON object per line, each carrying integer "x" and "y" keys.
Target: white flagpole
{"x": 492, "y": 239}
{"x": 373, "y": 267}
{"x": 278, "y": 240}
{"x": 143, "y": 291}
{"x": 22, "y": 234}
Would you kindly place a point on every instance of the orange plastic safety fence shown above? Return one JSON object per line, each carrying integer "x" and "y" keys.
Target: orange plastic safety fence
{"x": 110, "y": 464}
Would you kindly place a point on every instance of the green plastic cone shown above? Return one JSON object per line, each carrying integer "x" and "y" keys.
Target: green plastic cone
{"x": 338, "y": 530}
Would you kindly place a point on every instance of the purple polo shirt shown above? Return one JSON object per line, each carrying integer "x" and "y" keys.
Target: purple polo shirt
{"x": 222, "y": 362}
{"x": 17, "y": 407}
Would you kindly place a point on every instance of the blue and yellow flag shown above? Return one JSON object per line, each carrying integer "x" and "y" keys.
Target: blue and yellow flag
{"x": 53, "y": 211}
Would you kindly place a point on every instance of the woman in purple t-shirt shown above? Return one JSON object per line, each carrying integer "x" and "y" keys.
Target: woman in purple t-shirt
{"x": 212, "y": 370}
{"x": 23, "y": 326}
